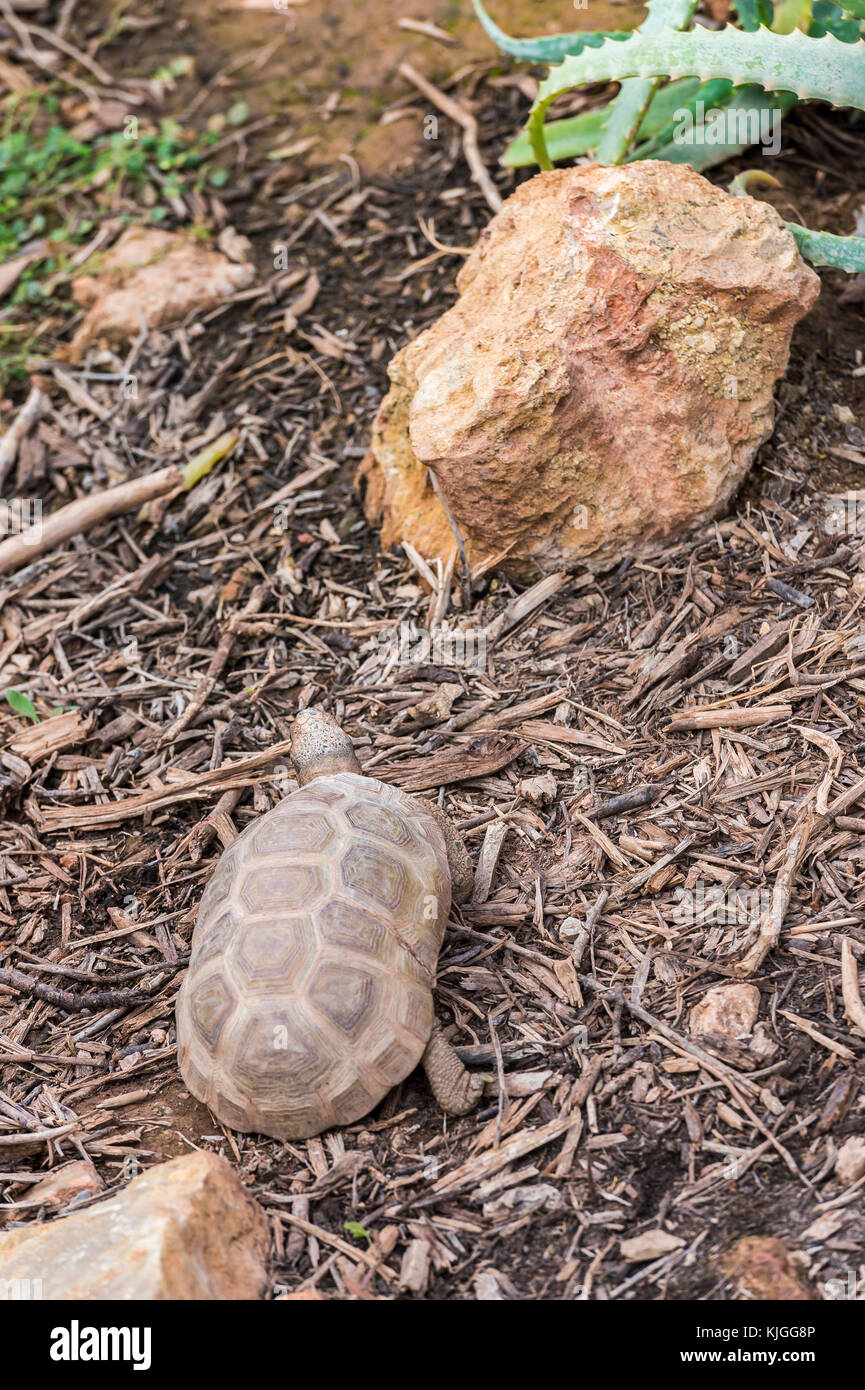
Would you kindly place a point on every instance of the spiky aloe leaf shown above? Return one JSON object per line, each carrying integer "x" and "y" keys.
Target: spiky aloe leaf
{"x": 818, "y": 69}
{"x": 822, "y": 248}
{"x": 576, "y": 135}
{"x": 566, "y": 139}
{"x": 742, "y": 121}
{"x": 550, "y": 48}
{"x": 632, "y": 103}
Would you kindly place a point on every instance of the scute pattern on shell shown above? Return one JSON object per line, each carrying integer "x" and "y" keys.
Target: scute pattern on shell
{"x": 309, "y": 989}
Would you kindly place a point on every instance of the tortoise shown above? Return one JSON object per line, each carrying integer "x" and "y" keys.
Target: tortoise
{"x": 309, "y": 992}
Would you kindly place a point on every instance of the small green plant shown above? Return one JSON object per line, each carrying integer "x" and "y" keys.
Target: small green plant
{"x": 808, "y": 50}
{"x": 356, "y": 1231}
{"x": 42, "y": 164}
{"x": 22, "y": 705}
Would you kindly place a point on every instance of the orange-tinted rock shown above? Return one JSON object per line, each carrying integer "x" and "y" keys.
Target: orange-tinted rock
{"x": 728, "y": 1010}
{"x": 762, "y": 1268}
{"x": 63, "y": 1185}
{"x": 183, "y": 1230}
{"x": 603, "y": 381}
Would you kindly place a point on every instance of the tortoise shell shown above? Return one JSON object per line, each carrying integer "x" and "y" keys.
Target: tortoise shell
{"x": 309, "y": 989}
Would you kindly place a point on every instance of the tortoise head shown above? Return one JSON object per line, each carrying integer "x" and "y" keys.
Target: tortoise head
{"x": 319, "y": 747}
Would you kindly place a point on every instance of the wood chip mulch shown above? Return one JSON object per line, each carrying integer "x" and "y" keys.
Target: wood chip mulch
{"x": 658, "y": 771}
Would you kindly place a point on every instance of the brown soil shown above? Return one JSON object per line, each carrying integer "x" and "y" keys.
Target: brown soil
{"x": 659, "y": 1125}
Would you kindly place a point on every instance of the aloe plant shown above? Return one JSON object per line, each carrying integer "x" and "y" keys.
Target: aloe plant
{"x": 577, "y": 135}
{"x": 816, "y": 69}
{"x": 813, "y": 51}
{"x": 632, "y": 103}
{"x": 549, "y": 49}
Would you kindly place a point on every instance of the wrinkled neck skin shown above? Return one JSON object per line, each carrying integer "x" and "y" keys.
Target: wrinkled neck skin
{"x": 326, "y": 764}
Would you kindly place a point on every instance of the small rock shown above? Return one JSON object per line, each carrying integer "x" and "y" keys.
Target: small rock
{"x": 152, "y": 278}
{"x": 60, "y": 1187}
{"x": 183, "y": 1230}
{"x": 728, "y": 1010}
{"x": 850, "y": 1163}
{"x": 651, "y": 1245}
{"x": 527, "y": 1083}
{"x": 236, "y": 247}
{"x": 763, "y": 1267}
{"x": 604, "y": 380}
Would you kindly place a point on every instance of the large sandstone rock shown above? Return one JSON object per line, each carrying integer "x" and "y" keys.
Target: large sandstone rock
{"x": 604, "y": 379}
{"x": 183, "y": 1230}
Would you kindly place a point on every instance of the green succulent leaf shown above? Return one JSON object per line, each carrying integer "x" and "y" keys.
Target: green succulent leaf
{"x": 550, "y": 48}
{"x": 577, "y": 135}
{"x": 827, "y": 18}
{"x": 632, "y": 103}
{"x": 817, "y": 69}
{"x": 754, "y": 13}
{"x": 566, "y": 139}
{"x": 745, "y": 116}
{"x": 707, "y": 97}
{"x": 822, "y": 248}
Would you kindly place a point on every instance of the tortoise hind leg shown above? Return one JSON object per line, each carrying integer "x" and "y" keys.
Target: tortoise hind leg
{"x": 455, "y": 1089}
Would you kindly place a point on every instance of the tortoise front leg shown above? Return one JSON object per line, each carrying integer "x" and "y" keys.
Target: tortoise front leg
{"x": 459, "y": 861}
{"x": 453, "y": 1086}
